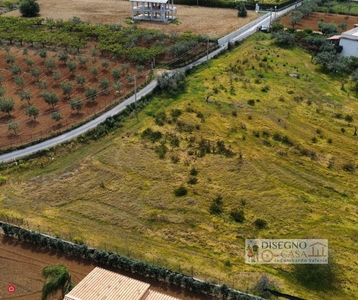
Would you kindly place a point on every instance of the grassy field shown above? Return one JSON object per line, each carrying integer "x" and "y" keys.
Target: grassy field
{"x": 286, "y": 155}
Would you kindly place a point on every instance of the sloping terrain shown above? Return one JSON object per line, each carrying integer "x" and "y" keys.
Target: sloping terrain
{"x": 260, "y": 128}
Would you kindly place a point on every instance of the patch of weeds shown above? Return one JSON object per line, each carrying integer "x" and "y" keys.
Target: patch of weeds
{"x": 216, "y": 207}
{"x": 260, "y": 223}
{"x": 161, "y": 150}
{"x": 180, "y": 191}
{"x": 238, "y": 215}
{"x": 151, "y": 135}
{"x": 192, "y": 180}
{"x": 251, "y": 102}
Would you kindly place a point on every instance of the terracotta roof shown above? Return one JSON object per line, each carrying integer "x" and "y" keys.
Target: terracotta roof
{"x": 334, "y": 37}
{"x": 101, "y": 284}
{"x": 158, "y": 296}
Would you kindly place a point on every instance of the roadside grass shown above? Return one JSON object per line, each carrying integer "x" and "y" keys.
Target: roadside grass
{"x": 117, "y": 194}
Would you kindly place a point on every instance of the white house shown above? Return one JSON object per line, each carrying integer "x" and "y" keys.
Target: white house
{"x": 349, "y": 42}
{"x": 154, "y": 10}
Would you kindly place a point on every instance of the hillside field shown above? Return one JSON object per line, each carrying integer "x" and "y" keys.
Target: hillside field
{"x": 269, "y": 144}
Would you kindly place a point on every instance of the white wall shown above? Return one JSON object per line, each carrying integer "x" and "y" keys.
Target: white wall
{"x": 350, "y": 47}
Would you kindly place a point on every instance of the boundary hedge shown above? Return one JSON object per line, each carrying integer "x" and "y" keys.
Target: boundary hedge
{"x": 125, "y": 263}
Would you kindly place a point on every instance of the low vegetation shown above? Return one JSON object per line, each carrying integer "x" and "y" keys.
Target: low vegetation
{"x": 259, "y": 172}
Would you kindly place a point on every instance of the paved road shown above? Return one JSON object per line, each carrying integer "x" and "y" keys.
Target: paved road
{"x": 238, "y": 35}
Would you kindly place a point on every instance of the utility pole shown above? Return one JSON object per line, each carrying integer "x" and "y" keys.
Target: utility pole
{"x": 135, "y": 96}
{"x": 270, "y": 19}
{"x": 207, "y": 51}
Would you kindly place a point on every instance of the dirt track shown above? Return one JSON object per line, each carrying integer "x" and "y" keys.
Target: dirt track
{"x": 21, "y": 264}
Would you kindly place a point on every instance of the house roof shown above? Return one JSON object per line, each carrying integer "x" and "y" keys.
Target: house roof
{"x": 100, "y": 283}
{"x": 334, "y": 37}
{"x": 159, "y": 296}
{"x": 351, "y": 34}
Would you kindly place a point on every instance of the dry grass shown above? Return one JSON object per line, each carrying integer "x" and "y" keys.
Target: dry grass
{"x": 215, "y": 22}
{"x": 118, "y": 195}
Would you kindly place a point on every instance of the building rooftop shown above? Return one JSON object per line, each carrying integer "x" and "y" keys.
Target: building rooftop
{"x": 102, "y": 284}
{"x": 351, "y": 34}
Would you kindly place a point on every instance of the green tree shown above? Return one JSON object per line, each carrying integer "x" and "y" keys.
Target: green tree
{"x": 2, "y": 91}
{"x": 57, "y": 278}
{"x": 116, "y": 74}
{"x": 15, "y": 70}
{"x": 34, "y": 72}
{"x": 283, "y": 38}
{"x": 242, "y": 12}
{"x": 7, "y": 105}
{"x": 104, "y": 84}
{"x": 80, "y": 79}
{"x": 43, "y": 53}
{"x": 91, "y": 93}
{"x": 14, "y": 126}
{"x": 10, "y": 59}
{"x": 51, "y": 98}
{"x": 29, "y": 62}
{"x": 295, "y": 17}
{"x": 25, "y": 95}
{"x": 62, "y": 56}
{"x": 67, "y": 88}
{"x": 83, "y": 60}
{"x": 50, "y": 64}
{"x": 94, "y": 72}
{"x": 76, "y": 104}
{"x": 105, "y": 64}
{"x": 56, "y": 75}
{"x": 29, "y": 8}
{"x": 56, "y": 116}
{"x": 72, "y": 66}
{"x": 32, "y": 111}
{"x": 19, "y": 81}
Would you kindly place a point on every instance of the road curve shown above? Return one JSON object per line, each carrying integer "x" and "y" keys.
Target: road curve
{"x": 238, "y": 35}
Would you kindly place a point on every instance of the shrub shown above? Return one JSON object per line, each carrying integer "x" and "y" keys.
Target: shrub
{"x": 161, "y": 150}
{"x": 194, "y": 172}
{"x": 317, "y": 276}
{"x": 251, "y": 102}
{"x": 349, "y": 167}
{"x": 238, "y": 215}
{"x": 180, "y": 191}
{"x": 260, "y": 223}
{"x": 193, "y": 180}
{"x": 216, "y": 207}
{"x": 29, "y": 8}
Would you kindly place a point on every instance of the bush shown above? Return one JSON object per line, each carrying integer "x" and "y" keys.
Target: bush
{"x": 260, "y": 223}
{"x": 216, "y": 207}
{"x": 194, "y": 172}
{"x": 180, "y": 191}
{"x": 238, "y": 215}
{"x": 317, "y": 276}
{"x": 29, "y": 8}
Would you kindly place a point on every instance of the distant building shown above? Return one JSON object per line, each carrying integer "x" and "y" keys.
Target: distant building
{"x": 349, "y": 42}
{"x": 154, "y": 10}
{"x": 102, "y": 284}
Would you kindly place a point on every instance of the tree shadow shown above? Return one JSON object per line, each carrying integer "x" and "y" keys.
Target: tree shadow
{"x": 77, "y": 115}
{"x": 32, "y": 123}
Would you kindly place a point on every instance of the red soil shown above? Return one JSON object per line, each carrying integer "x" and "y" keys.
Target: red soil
{"x": 21, "y": 264}
{"x": 30, "y": 129}
{"x": 312, "y": 20}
